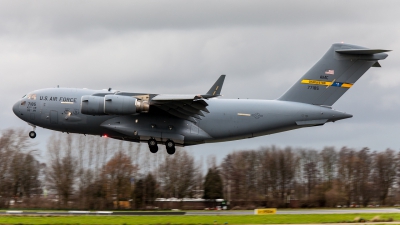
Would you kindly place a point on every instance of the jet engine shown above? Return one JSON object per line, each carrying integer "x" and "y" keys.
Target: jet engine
{"x": 113, "y": 105}
{"x": 92, "y": 105}
{"x": 124, "y": 105}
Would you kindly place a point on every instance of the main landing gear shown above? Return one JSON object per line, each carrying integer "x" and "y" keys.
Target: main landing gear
{"x": 170, "y": 146}
{"x": 153, "y": 145}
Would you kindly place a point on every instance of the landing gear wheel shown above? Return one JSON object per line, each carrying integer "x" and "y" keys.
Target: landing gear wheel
{"x": 153, "y": 145}
{"x": 153, "y": 149}
{"x": 32, "y": 134}
{"x": 170, "y": 145}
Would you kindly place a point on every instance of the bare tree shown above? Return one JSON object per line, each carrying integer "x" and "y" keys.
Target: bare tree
{"x": 251, "y": 175}
{"x": 265, "y": 175}
{"x": 385, "y": 168}
{"x": 362, "y": 181}
{"x": 119, "y": 171}
{"x": 234, "y": 175}
{"x": 213, "y": 186}
{"x": 178, "y": 174}
{"x": 62, "y": 169}
{"x": 310, "y": 160}
{"x": 19, "y": 170}
{"x": 287, "y": 167}
{"x": 329, "y": 157}
{"x": 30, "y": 178}
{"x": 346, "y": 172}
{"x": 146, "y": 191}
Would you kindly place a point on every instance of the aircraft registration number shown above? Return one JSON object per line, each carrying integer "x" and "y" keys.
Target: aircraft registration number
{"x": 315, "y": 88}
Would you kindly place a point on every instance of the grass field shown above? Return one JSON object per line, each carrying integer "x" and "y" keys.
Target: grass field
{"x": 225, "y": 219}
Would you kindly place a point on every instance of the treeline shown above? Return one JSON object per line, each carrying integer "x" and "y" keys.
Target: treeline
{"x": 89, "y": 172}
{"x": 309, "y": 178}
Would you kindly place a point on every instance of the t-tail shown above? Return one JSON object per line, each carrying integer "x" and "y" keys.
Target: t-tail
{"x": 334, "y": 74}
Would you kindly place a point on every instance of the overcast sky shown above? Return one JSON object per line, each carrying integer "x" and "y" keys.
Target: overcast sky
{"x": 183, "y": 46}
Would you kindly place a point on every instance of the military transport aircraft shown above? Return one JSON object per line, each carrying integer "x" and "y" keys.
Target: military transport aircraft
{"x": 182, "y": 120}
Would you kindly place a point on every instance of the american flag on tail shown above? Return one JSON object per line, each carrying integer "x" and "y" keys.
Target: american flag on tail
{"x": 330, "y": 72}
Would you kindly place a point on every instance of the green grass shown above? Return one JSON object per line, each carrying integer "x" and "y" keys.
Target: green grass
{"x": 214, "y": 219}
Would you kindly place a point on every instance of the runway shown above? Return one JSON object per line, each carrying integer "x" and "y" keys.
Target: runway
{"x": 208, "y": 212}
{"x": 299, "y": 211}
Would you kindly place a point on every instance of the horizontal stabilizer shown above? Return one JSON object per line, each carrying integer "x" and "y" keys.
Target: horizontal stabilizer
{"x": 361, "y": 51}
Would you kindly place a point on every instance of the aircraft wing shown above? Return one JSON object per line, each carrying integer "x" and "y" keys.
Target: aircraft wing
{"x": 188, "y": 107}
{"x": 164, "y": 97}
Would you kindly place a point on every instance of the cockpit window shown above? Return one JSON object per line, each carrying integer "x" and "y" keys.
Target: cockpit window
{"x": 32, "y": 96}
{"x": 23, "y": 102}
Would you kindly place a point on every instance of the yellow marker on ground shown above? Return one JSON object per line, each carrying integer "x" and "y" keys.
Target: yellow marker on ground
{"x": 265, "y": 211}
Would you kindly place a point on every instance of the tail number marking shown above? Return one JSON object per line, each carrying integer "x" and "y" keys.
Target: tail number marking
{"x": 315, "y": 88}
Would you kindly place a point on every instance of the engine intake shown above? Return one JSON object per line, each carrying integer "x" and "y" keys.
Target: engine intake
{"x": 92, "y": 105}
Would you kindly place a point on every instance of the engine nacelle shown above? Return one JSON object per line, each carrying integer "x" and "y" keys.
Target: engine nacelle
{"x": 124, "y": 105}
{"x": 92, "y": 105}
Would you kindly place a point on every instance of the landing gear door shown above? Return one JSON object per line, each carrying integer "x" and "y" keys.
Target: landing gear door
{"x": 177, "y": 138}
{"x": 146, "y": 135}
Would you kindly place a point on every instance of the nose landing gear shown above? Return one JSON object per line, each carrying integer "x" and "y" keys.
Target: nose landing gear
{"x": 32, "y": 134}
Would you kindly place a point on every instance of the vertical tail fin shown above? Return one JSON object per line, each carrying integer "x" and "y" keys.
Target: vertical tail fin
{"x": 336, "y": 72}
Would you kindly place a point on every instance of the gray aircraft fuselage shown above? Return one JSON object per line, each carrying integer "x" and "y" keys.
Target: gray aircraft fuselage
{"x": 229, "y": 119}
{"x": 195, "y": 119}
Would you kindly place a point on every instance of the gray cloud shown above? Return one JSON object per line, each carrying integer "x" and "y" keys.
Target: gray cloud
{"x": 71, "y": 17}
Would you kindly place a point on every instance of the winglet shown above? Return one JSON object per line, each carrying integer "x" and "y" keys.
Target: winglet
{"x": 215, "y": 90}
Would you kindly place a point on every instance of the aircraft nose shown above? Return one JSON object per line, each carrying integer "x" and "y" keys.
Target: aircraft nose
{"x": 16, "y": 108}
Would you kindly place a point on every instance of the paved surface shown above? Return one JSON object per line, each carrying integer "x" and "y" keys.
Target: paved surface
{"x": 211, "y": 212}
{"x": 300, "y": 211}
{"x": 340, "y": 211}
